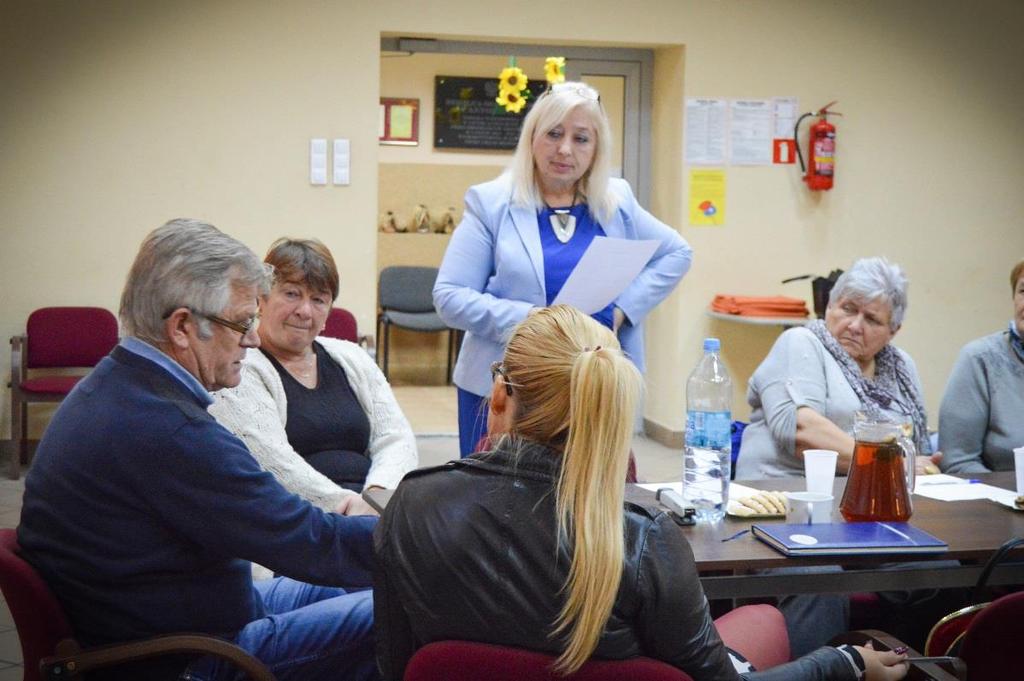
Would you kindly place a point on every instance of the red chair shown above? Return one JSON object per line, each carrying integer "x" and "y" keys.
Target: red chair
{"x": 56, "y": 337}
{"x": 342, "y": 324}
{"x": 49, "y": 649}
{"x": 758, "y": 632}
{"x": 991, "y": 644}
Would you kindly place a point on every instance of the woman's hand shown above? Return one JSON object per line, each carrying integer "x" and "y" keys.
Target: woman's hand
{"x": 353, "y": 504}
{"x": 882, "y": 665}
{"x": 927, "y": 465}
{"x": 618, "y": 316}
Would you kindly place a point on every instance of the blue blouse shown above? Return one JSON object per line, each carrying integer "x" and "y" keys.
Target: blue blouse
{"x": 560, "y": 259}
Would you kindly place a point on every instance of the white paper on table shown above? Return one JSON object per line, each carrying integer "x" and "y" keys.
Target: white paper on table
{"x": 951, "y": 488}
{"x": 607, "y": 267}
{"x": 736, "y": 490}
{"x": 676, "y": 487}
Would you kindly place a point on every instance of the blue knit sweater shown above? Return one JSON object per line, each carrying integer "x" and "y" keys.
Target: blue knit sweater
{"x": 142, "y": 513}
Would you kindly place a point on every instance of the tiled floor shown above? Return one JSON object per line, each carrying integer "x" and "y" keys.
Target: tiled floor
{"x": 432, "y": 412}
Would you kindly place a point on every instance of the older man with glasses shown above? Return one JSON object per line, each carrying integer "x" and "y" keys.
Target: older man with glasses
{"x": 142, "y": 513}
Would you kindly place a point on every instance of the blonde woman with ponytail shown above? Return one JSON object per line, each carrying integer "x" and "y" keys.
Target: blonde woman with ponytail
{"x": 531, "y": 544}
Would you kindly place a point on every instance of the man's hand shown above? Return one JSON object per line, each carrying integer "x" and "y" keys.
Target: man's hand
{"x": 353, "y": 504}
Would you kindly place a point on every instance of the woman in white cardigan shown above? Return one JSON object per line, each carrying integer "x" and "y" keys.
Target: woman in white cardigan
{"x": 316, "y": 412}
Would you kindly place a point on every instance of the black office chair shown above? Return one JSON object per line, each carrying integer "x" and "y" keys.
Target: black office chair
{"x": 405, "y": 296}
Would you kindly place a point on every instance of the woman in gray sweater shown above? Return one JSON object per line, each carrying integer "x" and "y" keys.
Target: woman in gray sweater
{"x": 808, "y": 389}
{"x": 981, "y": 419}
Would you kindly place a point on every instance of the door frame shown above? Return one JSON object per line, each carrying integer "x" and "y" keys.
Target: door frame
{"x": 634, "y": 65}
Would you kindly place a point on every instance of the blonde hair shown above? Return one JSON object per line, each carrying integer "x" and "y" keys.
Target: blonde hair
{"x": 550, "y": 110}
{"x": 576, "y": 390}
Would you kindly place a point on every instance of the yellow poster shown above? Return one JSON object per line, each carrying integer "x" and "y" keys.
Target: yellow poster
{"x": 707, "y": 197}
{"x": 401, "y": 122}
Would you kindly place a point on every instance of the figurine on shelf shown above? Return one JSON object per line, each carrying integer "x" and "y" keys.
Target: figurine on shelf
{"x": 443, "y": 221}
{"x": 387, "y": 222}
{"x": 420, "y": 219}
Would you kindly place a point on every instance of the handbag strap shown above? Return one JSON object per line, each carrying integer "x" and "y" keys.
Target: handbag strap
{"x": 980, "y": 589}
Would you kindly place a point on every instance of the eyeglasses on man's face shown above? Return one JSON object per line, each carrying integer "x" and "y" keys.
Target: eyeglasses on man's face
{"x": 497, "y": 368}
{"x": 244, "y": 327}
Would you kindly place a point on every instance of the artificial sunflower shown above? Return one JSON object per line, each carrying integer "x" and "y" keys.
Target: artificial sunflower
{"x": 554, "y": 69}
{"x": 512, "y": 79}
{"x": 512, "y": 101}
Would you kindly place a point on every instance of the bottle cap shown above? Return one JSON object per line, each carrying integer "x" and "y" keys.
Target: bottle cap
{"x": 712, "y": 345}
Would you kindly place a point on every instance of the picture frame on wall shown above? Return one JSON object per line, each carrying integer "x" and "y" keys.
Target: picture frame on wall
{"x": 399, "y": 121}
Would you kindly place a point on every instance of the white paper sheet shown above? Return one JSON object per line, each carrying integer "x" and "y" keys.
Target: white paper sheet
{"x": 951, "y": 488}
{"x": 705, "y": 131}
{"x": 786, "y": 113}
{"x": 750, "y": 132}
{"x": 607, "y": 267}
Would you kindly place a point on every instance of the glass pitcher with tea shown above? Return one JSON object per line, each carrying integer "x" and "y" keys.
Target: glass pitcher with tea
{"x": 881, "y": 477}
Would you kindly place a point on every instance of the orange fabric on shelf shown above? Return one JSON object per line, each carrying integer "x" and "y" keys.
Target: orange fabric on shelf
{"x": 760, "y": 306}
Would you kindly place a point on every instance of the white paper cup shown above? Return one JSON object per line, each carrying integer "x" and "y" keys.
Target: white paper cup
{"x": 820, "y": 469}
{"x": 808, "y": 508}
{"x": 1018, "y": 462}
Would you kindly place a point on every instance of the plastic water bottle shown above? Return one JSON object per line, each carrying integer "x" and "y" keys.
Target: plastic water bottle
{"x": 708, "y": 453}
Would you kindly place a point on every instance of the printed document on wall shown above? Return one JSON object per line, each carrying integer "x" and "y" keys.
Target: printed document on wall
{"x": 705, "y": 131}
{"x": 751, "y": 128}
{"x": 707, "y": 197}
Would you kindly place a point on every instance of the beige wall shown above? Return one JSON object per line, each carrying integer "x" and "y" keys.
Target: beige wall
{"x": 116, "y": 116}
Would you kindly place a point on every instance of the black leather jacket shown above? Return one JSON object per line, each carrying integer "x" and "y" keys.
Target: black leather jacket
{"x": 468, "y": 551}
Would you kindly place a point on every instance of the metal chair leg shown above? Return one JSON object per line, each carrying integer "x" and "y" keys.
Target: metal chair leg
{"x": 387, "y": 347}
{"x": 19, "y": 433}
{"x": 451, "y": 353}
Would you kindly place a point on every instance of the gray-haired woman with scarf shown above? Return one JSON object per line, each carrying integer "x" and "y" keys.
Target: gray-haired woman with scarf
{"x": 816, "y": 378}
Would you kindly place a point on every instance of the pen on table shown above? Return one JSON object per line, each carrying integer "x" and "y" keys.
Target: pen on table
{"x": 935, "y": 659}
{"x": 736, "y": 536}
{"x": 949, "y": 482}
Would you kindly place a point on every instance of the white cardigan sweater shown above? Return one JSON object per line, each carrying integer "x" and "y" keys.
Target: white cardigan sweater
{"x": 257, "y": 410}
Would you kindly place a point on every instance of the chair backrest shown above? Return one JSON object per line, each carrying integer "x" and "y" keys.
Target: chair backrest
{"x": 69, "y": 336}
{"x": 407, "y": 289}
{"x": 991, "y": 644}
{"x": 467, "y": 661}
{"x": 341, "y": 324}
{"x": 40, "y": 620}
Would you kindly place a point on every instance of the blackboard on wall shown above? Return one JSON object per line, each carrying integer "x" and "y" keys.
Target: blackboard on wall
{"x": 467, "y": 117}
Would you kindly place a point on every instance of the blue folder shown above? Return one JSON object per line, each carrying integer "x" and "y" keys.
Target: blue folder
{"x": 848, "y": 539}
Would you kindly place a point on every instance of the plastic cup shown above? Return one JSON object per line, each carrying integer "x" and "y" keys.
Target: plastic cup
{"x": 1018, "y": 463}
{"x": 820, "y": 469}
{"x": 808, "y": 508}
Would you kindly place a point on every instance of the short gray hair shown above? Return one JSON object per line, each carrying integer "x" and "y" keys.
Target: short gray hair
{"x": 873, "y": 278}
{"x": 185, "y": 263}
{"x": 548, "y": 111}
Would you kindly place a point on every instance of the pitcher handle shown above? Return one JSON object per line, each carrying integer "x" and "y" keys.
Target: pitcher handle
{"x": 909, "y": 463}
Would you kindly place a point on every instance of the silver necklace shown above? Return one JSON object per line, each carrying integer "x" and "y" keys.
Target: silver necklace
{"x": 563, "y": 222}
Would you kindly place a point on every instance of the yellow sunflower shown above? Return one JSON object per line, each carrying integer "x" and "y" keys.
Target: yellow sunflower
{"x": 554, "y": 69}
{"x": 512, "y": 79}
{"x": 512, "y": 101}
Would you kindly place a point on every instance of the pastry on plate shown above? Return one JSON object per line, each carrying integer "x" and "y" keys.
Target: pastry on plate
{"x": 760, "y": 504}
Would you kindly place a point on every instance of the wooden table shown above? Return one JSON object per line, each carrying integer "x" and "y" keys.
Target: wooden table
{"x": 973, "y": 530}
{"x": 733, "y": 569}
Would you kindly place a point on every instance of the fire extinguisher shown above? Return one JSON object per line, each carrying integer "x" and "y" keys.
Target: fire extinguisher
{"x": 821, "y": 149}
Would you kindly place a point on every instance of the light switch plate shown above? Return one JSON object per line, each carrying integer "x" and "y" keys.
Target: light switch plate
{"x": 318, "y": 160}
{"x": 342, "y": 161}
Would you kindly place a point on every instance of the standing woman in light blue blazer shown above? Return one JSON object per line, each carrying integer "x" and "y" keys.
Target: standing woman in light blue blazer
{"x": 523, "y": 233}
